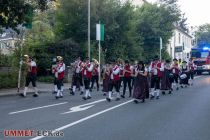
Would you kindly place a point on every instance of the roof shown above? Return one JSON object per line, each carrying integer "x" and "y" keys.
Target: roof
{"x": 182, "y": 31}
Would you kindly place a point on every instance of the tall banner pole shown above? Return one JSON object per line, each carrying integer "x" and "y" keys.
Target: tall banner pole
{"x": 161, "y": 46}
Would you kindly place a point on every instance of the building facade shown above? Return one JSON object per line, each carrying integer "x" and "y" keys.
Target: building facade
{"x": 180, "y": 44}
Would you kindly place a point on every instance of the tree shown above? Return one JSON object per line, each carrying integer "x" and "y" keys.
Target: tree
{"x": 203, "y": 35}
{"x": 18, "y": 12}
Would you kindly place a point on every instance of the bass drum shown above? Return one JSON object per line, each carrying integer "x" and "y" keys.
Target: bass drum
{"x": 183, "y": 76}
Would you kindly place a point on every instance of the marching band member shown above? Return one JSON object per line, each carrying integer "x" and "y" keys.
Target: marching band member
{"x": 60, "y": 69}
{"x": 95, "y": 76}
{"x": 166, "y": 80}
{"x": 155, "y": 68}
{"x": 87, "y": 75}
{"x": 77, "y": 76}
{"x": 31, "y": 75}
{"x": 184, "y": 74}
{"x": 175, "y": 70}
{"x": 140, "y": 83}
{"x": 192, "y": 71}
{"x": 106, "y": 79}
{"x": 127, "y": 78}
{"x": 114, "y": 82}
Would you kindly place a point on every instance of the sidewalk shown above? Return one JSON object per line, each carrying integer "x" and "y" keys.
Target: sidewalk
{"x": 42, "y": 88}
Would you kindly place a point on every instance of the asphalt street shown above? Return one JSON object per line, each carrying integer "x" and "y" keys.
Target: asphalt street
{"x": 183, "y": 115}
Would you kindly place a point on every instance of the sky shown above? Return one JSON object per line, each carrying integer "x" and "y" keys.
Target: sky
{"x": 197, "y": 11}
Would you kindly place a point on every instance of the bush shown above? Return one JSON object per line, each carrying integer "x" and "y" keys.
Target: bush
{"x": 8, "y": 80}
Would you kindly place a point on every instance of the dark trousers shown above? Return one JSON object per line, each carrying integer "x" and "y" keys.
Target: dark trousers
{"x": 77, "y": 79}
{"x": 155, "y": 82}
{"x": 87, "y": 83}
{"x": 176, "y": 77}
{"x": 191, "y": 75}
{"x": 30, "y": 78}
{"x": 114, "y": 84}
{"x": 127, "y": 81}
{"x": 59, "y": 83}
{"x": 93, "y": 80}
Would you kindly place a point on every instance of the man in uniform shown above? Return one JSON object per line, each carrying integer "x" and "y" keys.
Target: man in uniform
{"x": 60, "y": 69}
{"x": 87, "y": 75}
{"x": 31, "y": 75}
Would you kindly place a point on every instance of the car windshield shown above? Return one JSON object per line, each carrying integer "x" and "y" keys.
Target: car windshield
{"x": 197, "y": 54}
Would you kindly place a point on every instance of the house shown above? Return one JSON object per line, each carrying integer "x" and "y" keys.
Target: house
{"x": 180, "y": 44}
{"x": 8, "y": 42}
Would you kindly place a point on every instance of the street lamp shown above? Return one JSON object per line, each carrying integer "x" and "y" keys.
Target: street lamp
{"x": 89, "y": 28}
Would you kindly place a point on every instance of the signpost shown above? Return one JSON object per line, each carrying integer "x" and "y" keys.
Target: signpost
{"x": 99, "y": 38}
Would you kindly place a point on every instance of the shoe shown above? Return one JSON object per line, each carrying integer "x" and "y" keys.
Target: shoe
{"x": 135, "y": 101}
{"x": 89, "y": 97}
{"x": 117, "y": 99}
{"x": 123, "y": 96}
{"x": 157, "y": 97}
{"x": 84, "y": 98}
{"x": 97, "y": 89}
{"x": 169, "y": 92}
{"x": 181, "y": 86}
{"x": 90, "y": 90}
{"x": 129, "y": 95}
{"x": 104, "y": 94}
{"x": 22, "y": 95}
{"x": 54, "y": 92}
{"x": 152, "y": 97}
{"x": 72, "y": 93}
{"x": 143, "y": 100}
{"x": 61, "y": 96}
{"x": 35, "y": 95}
{"x": 177, "y": 88}
{"x": 163, "y": 92}
{"x": 108, "y": 99}
{"x": 56, "y": 97}
{"x": 81, "y": 93}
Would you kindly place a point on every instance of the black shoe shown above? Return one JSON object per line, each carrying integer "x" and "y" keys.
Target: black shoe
{"x": 81, "y": 93}
{"x": 72, "y": 93}
{"x": 157, "y": 97}
{"x": 177, "y": 88}
{"x": 35, "y": 95}
{"x": 108, "y": 99}
{"x": 90, "y": 90}
{"x": 84, "y": 98}
{"x": 89, "y": 97}
{"x": 143, "y": 100}
{"x": 170, "y": 92}
{"x": 56, "y": 97}
{"x": 129, "y": 95}
{"x": 181, "y": 86}
{"x": 117, "y": 99}
{"x": 152, "y": 97}
{"x": 163, "y": 92}
{"x": 123, "y": 96}
{"x": 54, "y": 92}
{"x": 104, "y": 94}
{"x": 135, "y": 101}
{"x": 97, "y": 89}
{"x": 22, "y": 95}
{"x": 61, "y": 96}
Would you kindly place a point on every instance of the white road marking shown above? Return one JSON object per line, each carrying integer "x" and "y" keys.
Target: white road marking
{"x": 83, "y": 107}
{"x": 83, "y": 119}
{"x": 16, "y": 112}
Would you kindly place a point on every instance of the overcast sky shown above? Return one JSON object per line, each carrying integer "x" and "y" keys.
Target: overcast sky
{"x": 197, "y": 11}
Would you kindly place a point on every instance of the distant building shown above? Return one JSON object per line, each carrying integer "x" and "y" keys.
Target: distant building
{"x": 8, "y": 42}
{"x": 180, "y": 44}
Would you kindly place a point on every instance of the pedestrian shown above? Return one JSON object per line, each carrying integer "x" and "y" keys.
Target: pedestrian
{"x": 191, "y": 71}
{"x": 184, "y": 75}
{"x": 31, "y": 75}
{"x": 60, "y": 70}
{"x": 155, "y": 68}
{"x": 87, "y": 75}
{"x": 140, "y": 83}
{"x": 114, "y": 81}
{"x": 175, "y": 71}
{"x": 126, "y": 78}
{"x": 77, "y": 77}
{"x": 166, "y": 80}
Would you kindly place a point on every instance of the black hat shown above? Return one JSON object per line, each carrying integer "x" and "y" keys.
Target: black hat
{"x": 184, "y": 62}
{"x": 140, "y": 63}
{"x": 168, "y": 61}
{"x": 175, "y": 59}
{"x": 126, "y": 61}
